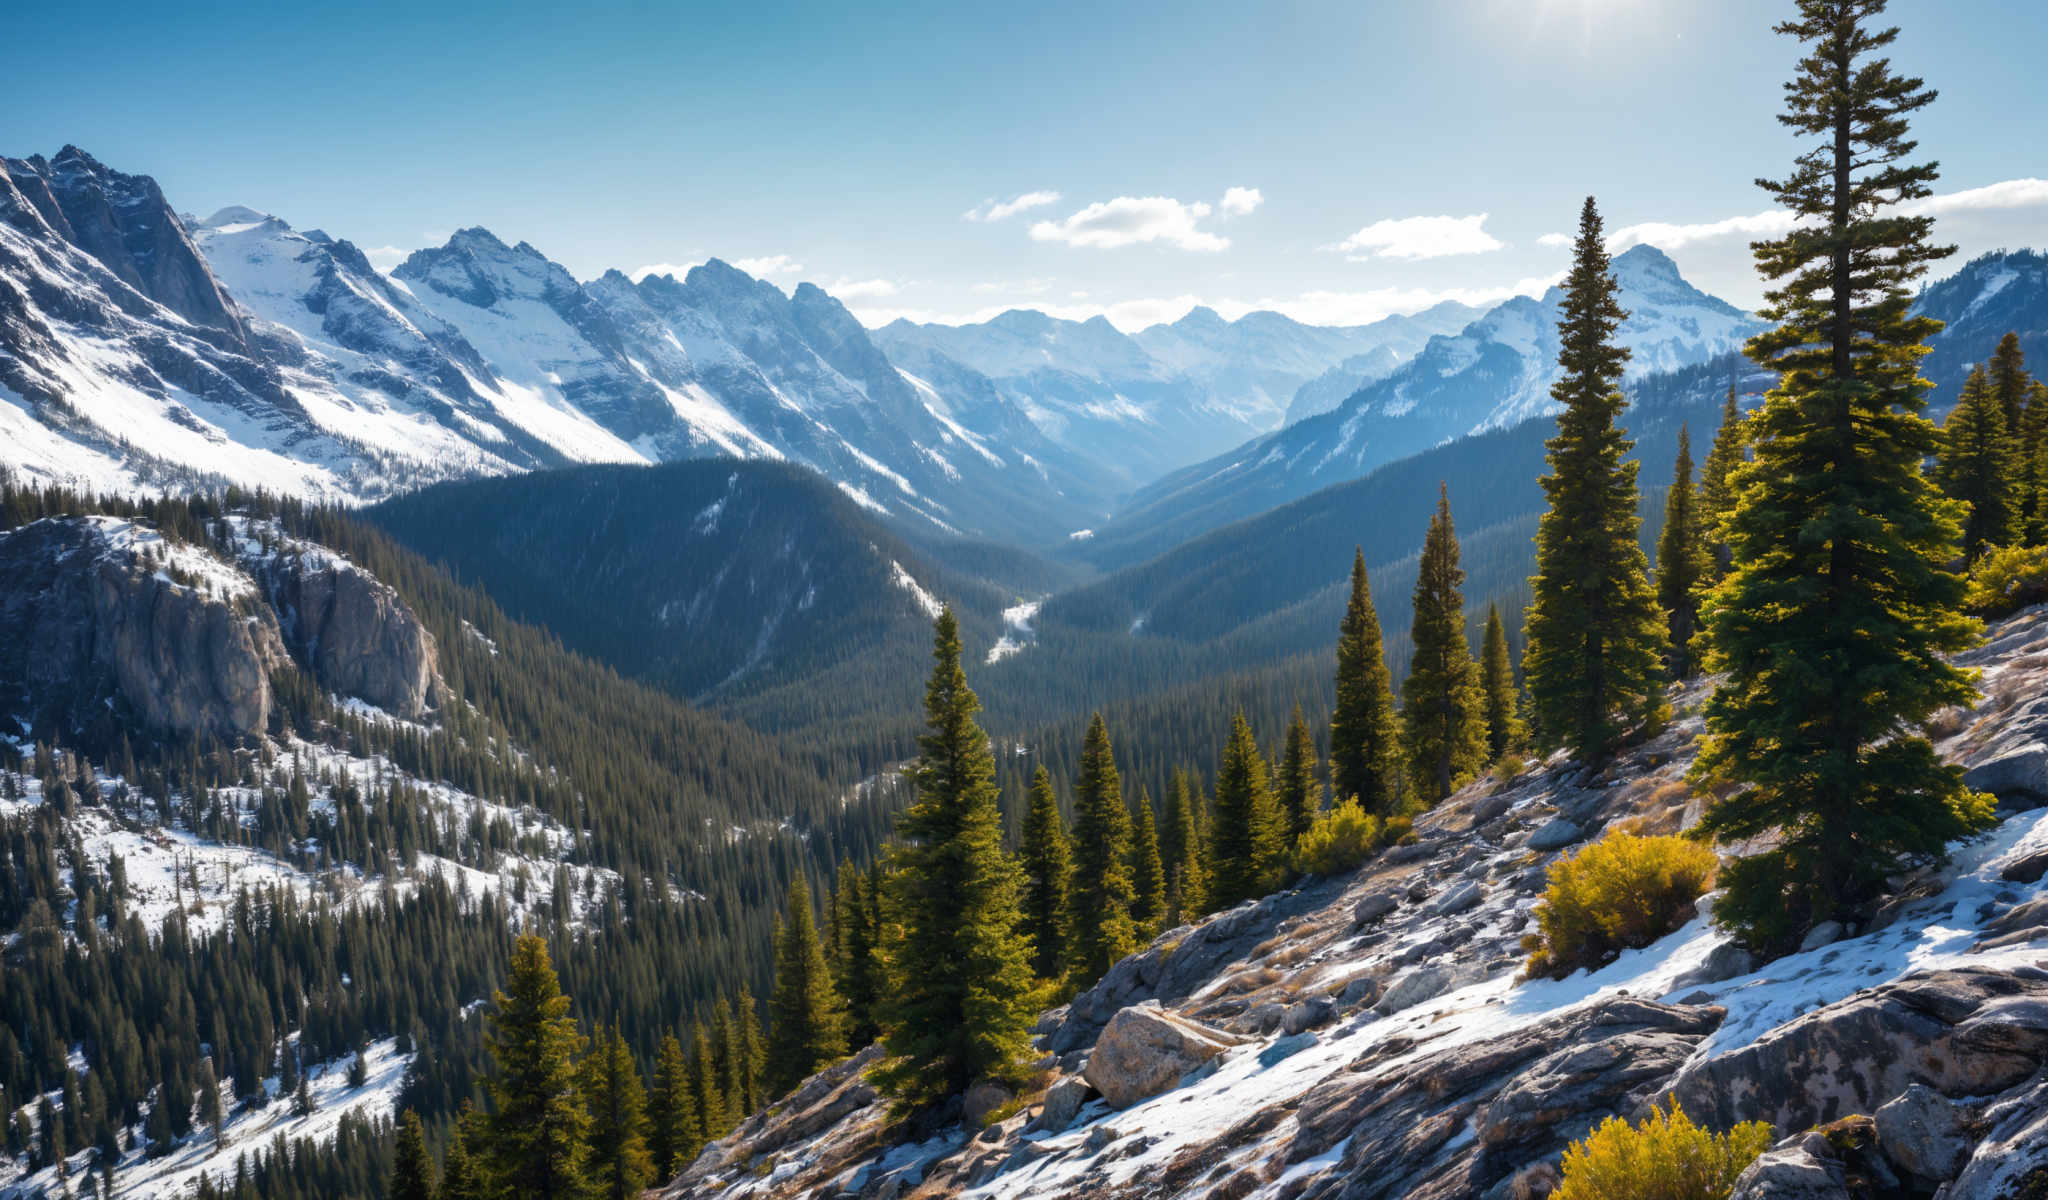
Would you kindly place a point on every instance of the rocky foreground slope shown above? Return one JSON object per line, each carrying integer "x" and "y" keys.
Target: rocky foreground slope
{"x": 1370, "y": 1035}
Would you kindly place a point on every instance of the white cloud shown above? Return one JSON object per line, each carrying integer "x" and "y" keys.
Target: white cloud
{"x": 2011, "y": 193}
{"x": 862, "y": 289}
{"x": 772, "y": 264}
{"x": 1131, "y": 220}
{"x": 1671, "y": 237}
{"x": 679, "y": 270}
{"x": 1240, "y": 201}
{"x": 1420, "y": 237}
{"x": 1555, "y": 240}
{"x": 993, "y": 210}
{"x": 384, "y": 258}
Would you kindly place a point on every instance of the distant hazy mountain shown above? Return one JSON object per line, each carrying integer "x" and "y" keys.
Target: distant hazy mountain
{"x": 1145, "y": 403}
{"x": 1494, "y": 373}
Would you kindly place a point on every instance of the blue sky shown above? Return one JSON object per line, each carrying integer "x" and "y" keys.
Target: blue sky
{"x": 1330, "y": 159}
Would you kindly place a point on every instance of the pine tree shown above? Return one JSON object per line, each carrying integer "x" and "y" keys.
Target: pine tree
{"x": 1364, "y": 737}
{"x": 1833, "y": 627}
{"x": 1246, "y": 850}
{"x": 1099, "y": 903}
{"x": 806, "y": 1026}
{"x": 753, "y": 1051}
{"x": 461, "y": 1178}
{"x": 1187, "y": 882}
{"x": 960, "y": 1005}
{"x": 537, "y": 1129}
{"x": 1148, "y": 871}
{"x": 725, "y": 1063}
{"x": 1717, "y": 488}
{"x": 673, "y": 1132}
{"x": 2034, "y": 463}
{"x": 2009, "y": 382}
{"x": 1497, "y": 676}
{"x": 1592, "y": 661}
{"x": 1443, "y": 707}
{"x": 707, "y": 1097}
{"x": 1048, "y": 871}
{"x": 412, "y": 1168}
{"x": 1978, "y": 465}
{"x": 1682, "y": 564}
{"x": 1299, "y": 802}
{"x": 858, "y": 971}
{"x": 617, "y": 1164}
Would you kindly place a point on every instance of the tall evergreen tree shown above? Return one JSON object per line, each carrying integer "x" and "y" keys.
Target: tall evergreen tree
{"x": 538, "y": 1125}
{"x": 1443, "y": 707}
{"x": 1977, "y": 465}
{"x": 1497, "y": 676}
{"x": 753, "y": 1052}
{"x": 1048, "y": 872}
{"x": 461, "y": 1175}
{"x": 2034, "y": 463}
{"x": 1364, "y": 738}
{"x": 1298, "y": 799}
{"x": 1717, "y": 487}
{"x": 1834, "y": 625}
{"x": 859, "y": 969}
{"x": 617, "y": 1164}
{"x": 1148, "y": 871}
{"x": 1246, "y": 848}
{"x": 412, "y": 1168}
{"x": 707, "y": 1097}
{"x": 1102, "y": 929}
{"x": 725, "y": 1063}
{"x": 1682, "y": 564}
{"x": 806, "y": 1025}
{"x": 1187, "y": 883}
{"x": 674, "y": 1134}
{"x": 2009, "y": 381}
{"x": 1592, "y": 661}
{"x": 960, "y": 1004}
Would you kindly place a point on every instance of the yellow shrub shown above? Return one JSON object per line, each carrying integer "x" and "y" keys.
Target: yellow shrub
{"x": 1620, "y": 893}
{"x": 1338, "y": 840}
{"x": 1667, "y": 1157}
{"x": 2007, "y": 580}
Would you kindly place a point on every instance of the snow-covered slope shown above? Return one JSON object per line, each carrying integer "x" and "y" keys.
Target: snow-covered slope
{"x": 1378, "y": 1038}
{"x": 1144, "y": 403}
{"x": 136, "y": 354}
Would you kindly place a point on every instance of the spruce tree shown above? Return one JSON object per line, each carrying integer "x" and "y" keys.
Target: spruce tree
{"x": 1364, "y": 737}
{"x": 1187, "y": 883}
{"x": 1443, "y": 707}
{"x": 1717, "y": 488}
{"x": 1148, "y": 871}
{"x": 616, "y": 1164}
{"x": 1102, "y": 929}
{"x": 725, "y": 1063}
{"x": 707, "y": 1099}
{"x": 754, "y": 1051}
{"x": 1299, "y": 802}
{"x": 1682, "y": 565}
{"x": 1497, "y": 676}
{"x": 1833, "y": 628}
{"x": 2009, "y": 381}
{"x": 461, "y": 1176}
{"x": 858, "y": 968}
{"x": 538, "y": 1125}
{"x": 1048, "y": 871}
{"x": 960, "y": 1005}
{"x": 412, "y": 1168}
{"x": 1977, "y": 465}
{"x": 673, "y": 1133}
{"x": 806, "y": 1025}
{"x": 1593, "y": 633}
{"x": 1245, "y": 846}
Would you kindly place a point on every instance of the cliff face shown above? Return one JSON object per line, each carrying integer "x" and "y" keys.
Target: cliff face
{"x": 103, "y": 610}
{"x": 1370, "y": 1035}
{"x": 103, "y": 613}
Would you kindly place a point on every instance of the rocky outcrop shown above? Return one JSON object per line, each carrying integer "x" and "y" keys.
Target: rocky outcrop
{"x": 1144, "y": 1050}
{"x": 352, "y": 631}
{"x": 1970, "y": 1032}
{"x": 1801, "y": 1168}
{"x": 96, "y": 617}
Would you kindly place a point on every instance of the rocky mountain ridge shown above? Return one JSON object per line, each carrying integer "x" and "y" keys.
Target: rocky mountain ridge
{"x": 1370, "y": 1035}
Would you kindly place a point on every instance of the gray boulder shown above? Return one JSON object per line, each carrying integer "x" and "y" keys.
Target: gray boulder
{"x": 1145, "y": 1049}
{"x": 1924, "y": 1133}
{"x": 1555, "y": 835}
{"x": 1799, "y": 1168}
{"x": 1414, "y": 987}
{"x": 1063, "y": 1101}
{"x": 2013, "y": 1155}
{"x": 1375, "y": 905}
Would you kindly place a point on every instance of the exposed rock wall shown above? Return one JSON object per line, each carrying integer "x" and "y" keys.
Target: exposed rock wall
{"x": 353, "y": 632}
